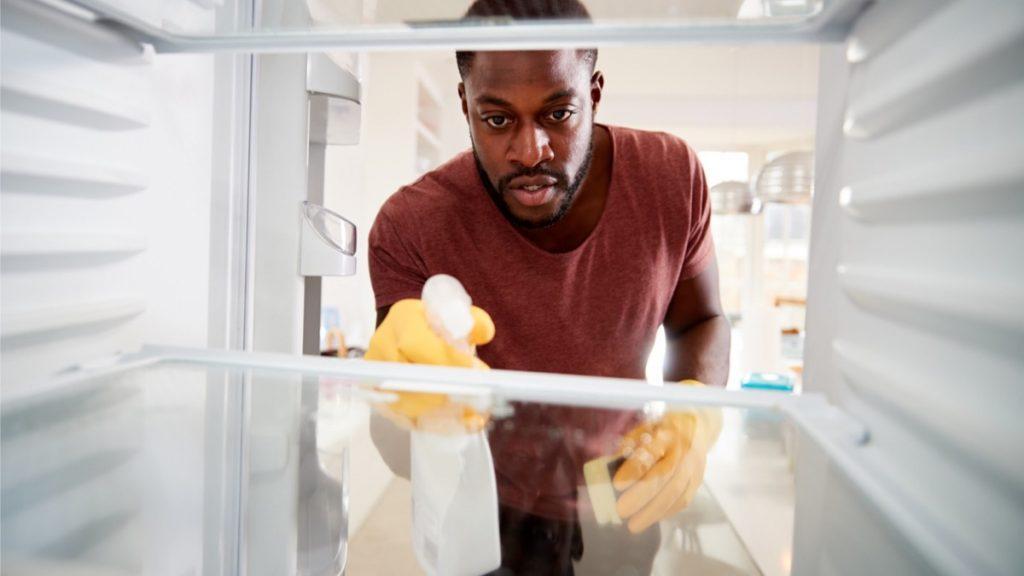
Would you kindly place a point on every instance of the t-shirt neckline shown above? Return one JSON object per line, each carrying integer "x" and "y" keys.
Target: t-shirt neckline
{"x": 593, "y": 233}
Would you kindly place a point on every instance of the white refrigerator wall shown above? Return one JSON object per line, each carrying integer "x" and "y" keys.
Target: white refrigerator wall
{"x": 122, "y": 217}
{"x": 916, "y": 315}
{"x": 108, "y": 192}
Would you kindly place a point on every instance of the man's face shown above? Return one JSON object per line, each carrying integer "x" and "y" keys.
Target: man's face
{"x": 531, "y": 120}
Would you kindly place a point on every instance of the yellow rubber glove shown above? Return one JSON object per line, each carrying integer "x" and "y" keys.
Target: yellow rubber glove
{"x": 664, "y": 465}
{"x": 430, "y": 412}
{"x": 405, "y": 336}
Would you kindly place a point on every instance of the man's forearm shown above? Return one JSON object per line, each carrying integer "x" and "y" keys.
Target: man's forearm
{"x": 700, "y": 352}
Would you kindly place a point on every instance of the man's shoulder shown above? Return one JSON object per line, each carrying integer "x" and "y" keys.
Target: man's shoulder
{"x": 441, "y": 191}
{"x": 660, "y": 159}
{"x": 648, "y": 143}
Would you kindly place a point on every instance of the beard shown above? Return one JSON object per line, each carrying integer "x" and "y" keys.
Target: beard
{"x": 565, "y": 189}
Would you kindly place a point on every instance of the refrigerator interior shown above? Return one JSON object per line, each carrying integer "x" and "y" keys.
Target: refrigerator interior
{"x": 152, "y": 177}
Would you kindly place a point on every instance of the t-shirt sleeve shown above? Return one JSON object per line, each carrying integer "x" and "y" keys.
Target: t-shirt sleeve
{"x": 395, "y": 273}
{"x": 700, "y": 249}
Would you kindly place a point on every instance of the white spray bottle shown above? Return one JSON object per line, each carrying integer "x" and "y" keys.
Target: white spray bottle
{"x": 454, "y": 492}
{"x": 448, "y": 310}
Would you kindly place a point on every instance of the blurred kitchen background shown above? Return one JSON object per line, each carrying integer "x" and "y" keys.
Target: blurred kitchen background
{"x": 748, "y": 111}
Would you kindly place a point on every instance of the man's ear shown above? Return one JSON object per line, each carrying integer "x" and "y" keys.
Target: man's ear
{"x": 462, "y": 97}
{"x": 596, "y": 86}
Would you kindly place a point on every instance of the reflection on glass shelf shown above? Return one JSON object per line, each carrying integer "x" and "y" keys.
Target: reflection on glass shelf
{"x": 151, "y": 468}
{"x": 113, "y": 476}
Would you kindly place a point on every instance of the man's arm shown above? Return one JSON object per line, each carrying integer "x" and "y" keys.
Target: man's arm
{"x": 661, "y": 476}
{"x": 696, "y": 331}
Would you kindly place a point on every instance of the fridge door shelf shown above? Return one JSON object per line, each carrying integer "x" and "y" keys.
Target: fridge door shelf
{"x": 328, "y": 243}
{"x": 335, "y": 107}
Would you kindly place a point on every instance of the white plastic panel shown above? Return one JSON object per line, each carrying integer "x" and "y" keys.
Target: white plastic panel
{"x": 915, "y": 322}
{"x": 108, "y": 179}
{"x": 117, "y": 182}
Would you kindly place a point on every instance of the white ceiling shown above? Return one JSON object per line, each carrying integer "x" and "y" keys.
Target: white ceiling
{"x": 716, "y": 97}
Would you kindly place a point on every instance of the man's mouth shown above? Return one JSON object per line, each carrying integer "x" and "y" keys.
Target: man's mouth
{"x": 533, "y": 194}
{"x": 533, "y": 191}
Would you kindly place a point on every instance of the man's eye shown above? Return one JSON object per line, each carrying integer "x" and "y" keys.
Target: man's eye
{"x": 496, "y": 121}
{"x": 560, "y": 115}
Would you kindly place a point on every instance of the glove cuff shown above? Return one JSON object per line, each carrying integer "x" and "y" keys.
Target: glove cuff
{"x": 709, "y": 420}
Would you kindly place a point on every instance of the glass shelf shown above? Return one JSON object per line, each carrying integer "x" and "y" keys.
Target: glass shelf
{"x": 171, "y": 461}
{"x": 321, "y": 25}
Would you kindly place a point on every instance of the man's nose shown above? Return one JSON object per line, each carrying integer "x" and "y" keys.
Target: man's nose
{"x": 530, "y": 146}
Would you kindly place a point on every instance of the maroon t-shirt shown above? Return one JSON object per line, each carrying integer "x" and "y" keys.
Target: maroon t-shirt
{"x": 593, "y": 311}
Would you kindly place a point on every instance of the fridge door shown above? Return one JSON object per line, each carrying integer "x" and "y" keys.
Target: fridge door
{"x": 915, "y": 307}
{"x": 172, "y": 461}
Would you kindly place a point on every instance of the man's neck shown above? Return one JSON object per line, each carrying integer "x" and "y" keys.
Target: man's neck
{"x": 584, "y": 214}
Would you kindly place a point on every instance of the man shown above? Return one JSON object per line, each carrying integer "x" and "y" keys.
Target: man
{"x": 579, "y": 240}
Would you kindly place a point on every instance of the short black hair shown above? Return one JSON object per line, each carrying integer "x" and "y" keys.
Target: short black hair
{"x": 525, "y": 10}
